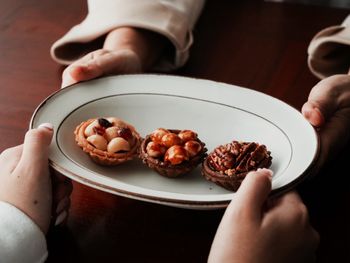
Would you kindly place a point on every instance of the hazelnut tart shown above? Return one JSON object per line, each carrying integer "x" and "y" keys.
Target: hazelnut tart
{"x": 229, "y": 164}
{"x": 172, "y": 153}
{"x": 108, "y": 141}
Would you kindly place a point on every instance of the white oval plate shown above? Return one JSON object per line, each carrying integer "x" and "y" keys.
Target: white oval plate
{"x": 219, "y": 113}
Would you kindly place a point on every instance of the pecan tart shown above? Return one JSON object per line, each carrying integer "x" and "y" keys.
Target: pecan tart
{"x": 228, "y": 164}
{"x": 172, "y": 153}
{"x": 108, "y": 141}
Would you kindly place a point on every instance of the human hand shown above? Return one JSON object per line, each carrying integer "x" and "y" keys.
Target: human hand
{"x": 126, "y": 50}
{"x": 328, "y": 109}
{"x": 62, "y": 188}
{"x": 25, "y": 179}
{"x": 257, "y": 229}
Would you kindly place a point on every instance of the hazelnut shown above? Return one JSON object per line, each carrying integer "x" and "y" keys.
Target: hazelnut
{"x": 90, "y": 129}
{"x": 118, "y": 144}
{"x": 157, "y": 135}
{"x": 171, "y": 139}
{"x": 155, "y": 150}
{"x": 176, "y": 154}
{"x": 111, "y": 132}
{"x": 98, "y": 141}
{"x": 193, "y": 148}
{"x": 188, "y": 135}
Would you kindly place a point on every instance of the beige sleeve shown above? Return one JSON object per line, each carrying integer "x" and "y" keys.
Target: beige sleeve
{"x": 174, "y": 19}
{"x": 21, "y": 240}
{"x": 329, "y": 51}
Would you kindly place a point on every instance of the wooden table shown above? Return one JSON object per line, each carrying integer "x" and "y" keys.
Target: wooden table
{"x": 253, "y": 44}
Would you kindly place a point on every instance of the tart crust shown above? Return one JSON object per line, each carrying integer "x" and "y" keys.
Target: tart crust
{"x": 241, "y": 157}
{"x": 104, "y": 157}
{"x": 165, "y": 168}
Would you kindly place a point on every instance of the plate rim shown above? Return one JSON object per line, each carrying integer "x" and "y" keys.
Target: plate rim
{"x": 192, "y": 204}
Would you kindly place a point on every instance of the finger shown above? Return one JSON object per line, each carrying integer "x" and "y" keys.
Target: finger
{"x": 67, "y": 79}
{"x": 337, "y": 127}
{"x": 289, "y": 198}
{"x": 313, "y": 114}
{"x": 35, "y": 147}
{"x": 57, "y": 177}
{"x": 61, "y": 218}
{"x": 253, "y": 192}
{"x": 10, "y": 158}
{"x": 285, "y": 207}
{"x": 101, "y": 62}
{"x": 314, "y": 238}
{"x": 290, "y": 210}
{"x": 64, "y": 204}
{"x": 79, "y": 70}
{"x": 328, "y": 96}
{"x": 62, "y": 190}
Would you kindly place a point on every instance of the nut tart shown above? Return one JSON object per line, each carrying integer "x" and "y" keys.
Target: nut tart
{"x": 108, "y": 141}
{"x": 172, "y": 153}
{"x": 229, "y": 164}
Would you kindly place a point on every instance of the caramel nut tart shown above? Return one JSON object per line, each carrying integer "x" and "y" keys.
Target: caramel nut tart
{"x": 108, "y": 141}
{"x": 229, "y": 164}
{"x": 172, "y": 153}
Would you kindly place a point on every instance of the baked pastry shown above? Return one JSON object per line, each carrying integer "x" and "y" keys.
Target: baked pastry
{"x": 108, "y": 141}
{"x": 228, "y": 164}
{"x": 172, "y": 153}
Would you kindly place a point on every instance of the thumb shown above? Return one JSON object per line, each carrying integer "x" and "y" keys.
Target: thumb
{"x": 325, "y": 98}
{"x": 35, "y": 146}
{"x": 254, "y": 191}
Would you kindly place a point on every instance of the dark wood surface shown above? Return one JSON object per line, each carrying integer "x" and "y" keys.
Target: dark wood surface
{"x": 253, "y": 44}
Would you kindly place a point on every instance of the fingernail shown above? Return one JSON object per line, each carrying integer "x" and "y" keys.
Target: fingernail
{"x": 313, "y": 115}
{"x": 266, "y": 171}
{"x": 62, "y": 205}
{"x": 319, "y": 116}
{"x": 67, "y": 81}
{"x": 307, "y": 113}
{"x": 47, "y": 125}
{"x": 61, "y": 217}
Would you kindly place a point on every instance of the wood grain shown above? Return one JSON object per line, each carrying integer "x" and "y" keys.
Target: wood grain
{"x": 249, "y": 43}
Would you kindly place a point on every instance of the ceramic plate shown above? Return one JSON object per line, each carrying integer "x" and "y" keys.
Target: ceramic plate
{"x": 218, "y": 112}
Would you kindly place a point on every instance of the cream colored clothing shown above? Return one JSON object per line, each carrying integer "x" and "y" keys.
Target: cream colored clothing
{"x": 329, "y": 51}
{"x": 174, "y": 19}
{"x": 21, "y": 240}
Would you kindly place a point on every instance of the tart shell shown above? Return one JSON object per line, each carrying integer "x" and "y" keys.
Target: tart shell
{"x": 165, "y": 168}
{"x": 104, "y": 157}
{"x": 252, "y": 157}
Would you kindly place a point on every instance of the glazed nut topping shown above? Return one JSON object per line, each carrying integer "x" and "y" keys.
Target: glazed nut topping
{"x": 157, "y": 135}
{"x": 98, "y": 141}
{"x": 171, "y": 139}
{"x": 90, "y": 130}
{"x": 188, "y": 135}
{"x": 109, "y": 134}
{"x": 193, "y": 148}
{"x": 118, "y": 144}
{"x": 238, "y": 158}
{"x": 155, "y": 150}
{"x": 169, "y": 147}
{"x": 176, "y": 154}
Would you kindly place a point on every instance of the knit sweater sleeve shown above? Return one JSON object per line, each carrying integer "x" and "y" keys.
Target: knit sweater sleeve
{"x": 173, "y": 19}
{"x": 21, "y": 240}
